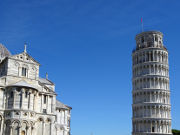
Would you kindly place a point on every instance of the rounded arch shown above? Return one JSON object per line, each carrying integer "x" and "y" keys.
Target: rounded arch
{"x": 41, "y": 118}
{"x": 25, "y": 66}
{"x": 16, "y": 121}
{"x": 25, "y": 121}
{"x": 7, "y": 127}
{"x": 49, "y": 120}
{"x": 39, "y": 125}
{"x": 15, "y": 127}
{"x": 8, "y": 122}
{"x": 17, "y": 64}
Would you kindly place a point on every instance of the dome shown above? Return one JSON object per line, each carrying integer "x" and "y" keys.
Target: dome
{"x": 3, "y": 52}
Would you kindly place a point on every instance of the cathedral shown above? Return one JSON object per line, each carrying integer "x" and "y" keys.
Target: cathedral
{"x": 28, "y": 104}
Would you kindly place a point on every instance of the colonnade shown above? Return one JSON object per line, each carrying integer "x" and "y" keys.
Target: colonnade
{"x": 29, "y": 99}
{"x": 21, "y": 99}
{"x": 150, "y": 40}
{"x": 18, "y": 128}
{"x": 153, "y": 55}
{"x": 151, "y": 68}
{"x": 151, "y": 96}
{"x": 159, "y": 126}
{"x": 44, "y": 127}
{"x": 46, "y": 102}
{"x": 151, "y": 111}
{"x": 151, "y": 82}
{"x": 25, "y": 128}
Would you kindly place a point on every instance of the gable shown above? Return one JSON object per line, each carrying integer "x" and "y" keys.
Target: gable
{"x": 25, "y": 58}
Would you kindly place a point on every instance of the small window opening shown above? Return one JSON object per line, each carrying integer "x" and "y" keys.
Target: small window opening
{"x": 12, "y": 94}
{"x": 156, "y": 38}
{"x": 24, "y": 70}
{"x": 26, "y": 94}
{"x": 153, "y": 129}
{"x": 142, "y": 40}
{"x": 151, "y": 57}
{"x": 45, "y": 99}
{"x": 68, "y": 123}
{"x": 44, "y": 111}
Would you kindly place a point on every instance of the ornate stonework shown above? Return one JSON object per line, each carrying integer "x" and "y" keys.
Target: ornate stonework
{"x": 28, "y": 104}
{"x": 151, "y": 94}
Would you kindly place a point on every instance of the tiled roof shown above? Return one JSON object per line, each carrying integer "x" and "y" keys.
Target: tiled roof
{"x": 22, "y": 84}
{"x": 45, "y": 81}
{"x": 61, "y": 105}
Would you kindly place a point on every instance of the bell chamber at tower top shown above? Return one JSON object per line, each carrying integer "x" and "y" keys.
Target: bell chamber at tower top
{"x": 149, "y": 39}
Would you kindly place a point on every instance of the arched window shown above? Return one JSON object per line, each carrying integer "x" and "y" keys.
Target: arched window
{"x": 45, "y": 99}
{"x": 11, "y": 94}
{"x": 156, "y": 38}
{"x": 16, "y": 128}
{"x": 26, "y": 94}
{"x": 142, "y": 39}
{"x": 24, "y": 71}
{"x": 153, "y": 129}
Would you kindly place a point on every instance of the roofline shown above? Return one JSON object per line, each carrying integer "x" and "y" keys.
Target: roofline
{"x": 68, "y": 108}
{"x": 46, "y": 79}
{"x": 22, "y": 60}
{"x": 148, "y": 32}
{"x": 20, "y": 86}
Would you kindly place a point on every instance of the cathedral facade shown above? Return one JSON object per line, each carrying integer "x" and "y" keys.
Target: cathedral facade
{"x": 28, "y": 104}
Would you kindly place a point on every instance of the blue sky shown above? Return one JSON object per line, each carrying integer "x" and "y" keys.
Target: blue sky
{"x": 85, "y": 46}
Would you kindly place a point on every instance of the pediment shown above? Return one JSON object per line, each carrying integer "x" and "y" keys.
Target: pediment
{"x": 25, "y": 57}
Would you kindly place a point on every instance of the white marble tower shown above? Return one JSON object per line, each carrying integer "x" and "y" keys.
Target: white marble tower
{"x": 151, "y": 94}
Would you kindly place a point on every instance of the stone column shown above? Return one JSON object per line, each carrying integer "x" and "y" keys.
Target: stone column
{"x": 155, "y": 127}
{"x": 29, "y": 100}
{"x": 3, "y": 103}
{"x": 27, "y": 130}
{"x": 11, "y": 129}
{"x": 14, "y": 98}
{"x": 47, "y": 103}
{"x": 51, "y": 128}
{"x": 2, "y": 125}
{"x": 41, "y": 102}
{"x": 22, "y": 97}
{"x": 155, "y": 111}
{"x": 158, "y": 97}
{"x": 33, "y": 108}
{"x": 20, "y": 127}
{"x": 6, "y": 100}
{"x": 33, "y": 130}
{"x": 36, "y": 98}
{"x": 43, "y": 130}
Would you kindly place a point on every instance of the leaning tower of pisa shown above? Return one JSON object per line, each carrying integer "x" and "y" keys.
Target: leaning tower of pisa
{"x": 151, "y": 94}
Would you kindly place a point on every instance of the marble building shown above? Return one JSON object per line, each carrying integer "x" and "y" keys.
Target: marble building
{"x": 151, "y": 93}
{"x": 28, "y": 104}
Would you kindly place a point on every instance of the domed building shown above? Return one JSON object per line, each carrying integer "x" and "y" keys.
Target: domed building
{"x": 28, "y": 104}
